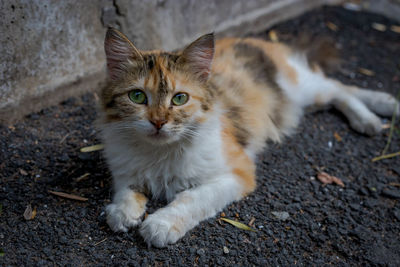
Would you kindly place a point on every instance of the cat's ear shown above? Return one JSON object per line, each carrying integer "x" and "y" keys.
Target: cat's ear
{"x": 197, "y": 57}
{"x": 120, "y": 53}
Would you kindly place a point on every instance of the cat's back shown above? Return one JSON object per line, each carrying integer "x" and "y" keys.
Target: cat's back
{"x": 244, "y": 71}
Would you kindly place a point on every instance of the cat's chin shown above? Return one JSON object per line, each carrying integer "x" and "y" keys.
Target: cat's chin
{"x": 160, "y": 138}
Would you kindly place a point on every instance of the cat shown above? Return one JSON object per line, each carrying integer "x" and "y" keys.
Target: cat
{"x": 187, "y": 126}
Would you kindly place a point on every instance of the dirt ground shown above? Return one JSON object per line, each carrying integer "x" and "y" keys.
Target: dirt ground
{"x": 358, "y": 224}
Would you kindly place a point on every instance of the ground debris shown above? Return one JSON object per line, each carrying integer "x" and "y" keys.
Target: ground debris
{"x": 337, "y": 137}
{"x": 379, "y": 27}
{"x": 226, "y": 250}
{"x": 238, "y": 224}
{"x": 92, "y": 148}
{"x": 395, "y": 28}
{"x": 273, "y": 36}
{"x": 82, "y": 177}
{"x": 252, "y": 220}
{"x": 69, "y": 196}
{"x": 332, "y": 26}
{"x": 29, "y": 213}
{"x": 325, "y": 178}
{"x": 366, "y": 72}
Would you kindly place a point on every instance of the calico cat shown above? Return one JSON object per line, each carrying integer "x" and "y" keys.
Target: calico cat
{"x": 187, "y": 126}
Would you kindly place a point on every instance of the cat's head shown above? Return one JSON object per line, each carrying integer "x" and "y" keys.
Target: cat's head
{"x": 157, "y": 96}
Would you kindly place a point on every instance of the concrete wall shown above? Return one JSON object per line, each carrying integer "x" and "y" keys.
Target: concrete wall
{"x": 53, "y": 49}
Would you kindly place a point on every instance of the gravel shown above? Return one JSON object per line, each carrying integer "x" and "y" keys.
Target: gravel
{"x": 328, "y": 225}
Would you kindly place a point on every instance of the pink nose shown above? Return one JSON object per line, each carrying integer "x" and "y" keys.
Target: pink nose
{"x": 158, "y": 123}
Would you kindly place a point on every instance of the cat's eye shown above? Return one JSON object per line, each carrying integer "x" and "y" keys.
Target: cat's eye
{"x": 138, "y": 96}
{"x": 179, "y": 99}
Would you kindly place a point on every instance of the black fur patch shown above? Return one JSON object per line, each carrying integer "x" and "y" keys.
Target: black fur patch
{"x": 241, "y": 134}
{"x": 204, "y": 107}
{"x": 262, "y": 67}
{"x": 162, "y": 87}
{"x": 264, "y": 71}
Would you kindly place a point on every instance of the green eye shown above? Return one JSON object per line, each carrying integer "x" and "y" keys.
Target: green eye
{"x": 138, "y": 96}
{"x": 180, "y": 98}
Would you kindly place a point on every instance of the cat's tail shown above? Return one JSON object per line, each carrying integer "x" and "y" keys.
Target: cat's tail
{"x": 320, "y": 52}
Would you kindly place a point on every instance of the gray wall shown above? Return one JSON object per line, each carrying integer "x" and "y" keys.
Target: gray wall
{"x": 53, "y": 49}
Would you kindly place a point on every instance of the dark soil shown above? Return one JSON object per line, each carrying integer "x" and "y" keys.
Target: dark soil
{"x": 327, "y": 225}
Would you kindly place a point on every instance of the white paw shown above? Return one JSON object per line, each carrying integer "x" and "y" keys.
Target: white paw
{"x": 121, "y": 217}
{"x": 370, "y": 125}
{"x": 159, "y": 231}
{"x": 384, "y": 104}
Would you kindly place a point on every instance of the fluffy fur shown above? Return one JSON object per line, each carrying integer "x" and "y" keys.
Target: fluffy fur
{"x": 200, "y": 155}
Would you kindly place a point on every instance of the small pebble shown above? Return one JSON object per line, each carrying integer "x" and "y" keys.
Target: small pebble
{"x": 281, "y": 215}
{"x": 226, "y": 250}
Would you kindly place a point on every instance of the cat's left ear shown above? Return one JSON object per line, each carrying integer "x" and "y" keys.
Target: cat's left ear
{"x": 197, "y": 57}
{"x": 120, "y": 53}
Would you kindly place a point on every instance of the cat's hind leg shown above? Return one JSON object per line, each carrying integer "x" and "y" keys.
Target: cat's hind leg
{"x": 380, "y": 103}
{"x": 361, "y": 105}
{"x": 360, "y": 117}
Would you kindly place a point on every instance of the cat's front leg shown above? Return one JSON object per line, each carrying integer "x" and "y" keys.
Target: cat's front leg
{"x": 169, "y": 224}
{"x": 126, "y": 210}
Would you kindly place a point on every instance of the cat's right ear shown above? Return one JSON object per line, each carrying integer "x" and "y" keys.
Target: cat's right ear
{"x": 120, "y": 53}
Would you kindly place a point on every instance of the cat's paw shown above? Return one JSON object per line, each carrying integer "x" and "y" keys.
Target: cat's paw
{"x": 385, "y": 105}
{"x": 121, "y": 217}
{"x": 380, "y": 103}
{"x": 160, "y": 231}
{"x": 370, "y": 125}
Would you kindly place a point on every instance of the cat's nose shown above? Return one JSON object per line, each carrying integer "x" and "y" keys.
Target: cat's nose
{"x": 158, "y": 123}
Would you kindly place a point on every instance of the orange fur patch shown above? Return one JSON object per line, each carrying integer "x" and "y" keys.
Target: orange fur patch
{"x": 140, "y": 198}
{"x": 242, "y": 166}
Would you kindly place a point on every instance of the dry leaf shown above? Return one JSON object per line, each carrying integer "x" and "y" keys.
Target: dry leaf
{"x": 379, "y": 27}
{"x": 325, "y": 178}
{"x": 337, "y": 137}
{"x": 223, "y": 214}
{"x": 69, "y": 196}
{"x": 386, "y": 126}
{"x": 366, "y": 72}
{"x": 29, "y": 214}
{"x": 23, "y": 172}
{"x": 273, "y": 36}
{"x": 395, "y": 28}
{"x": 332, "y": 26}
{"x": 92, "y": 148}
{"x": 238, "y": 224}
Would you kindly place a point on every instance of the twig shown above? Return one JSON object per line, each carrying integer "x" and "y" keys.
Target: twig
{"x": 65, "y": 137}
{"x": 386, "y": 156}
{"x": 391, "y": 127}
{"x": 82, "y": 177}
{"x": 101, "y": 241}
{"x": 69, "y": 196}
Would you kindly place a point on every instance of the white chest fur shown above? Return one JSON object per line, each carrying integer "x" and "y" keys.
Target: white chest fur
{"x": 167, "y": 169}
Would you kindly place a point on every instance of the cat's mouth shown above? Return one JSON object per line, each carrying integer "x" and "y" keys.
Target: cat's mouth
{"x": 158, "y": 136}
